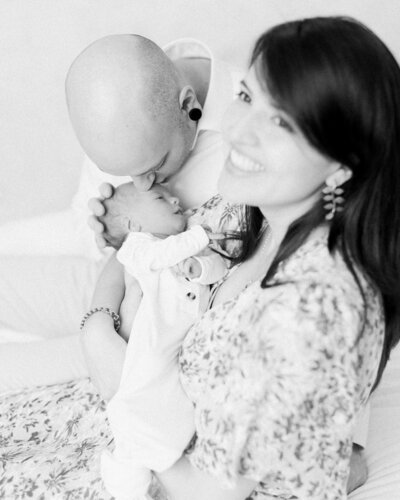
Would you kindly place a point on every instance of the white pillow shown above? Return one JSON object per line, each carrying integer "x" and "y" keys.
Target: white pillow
{"x": 8, "y": 335}
{"x": 33, "y": 363}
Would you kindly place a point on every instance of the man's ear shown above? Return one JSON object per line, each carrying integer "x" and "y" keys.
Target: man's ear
{"x": 188, "y": 99}
{"x": 339, "y": 177}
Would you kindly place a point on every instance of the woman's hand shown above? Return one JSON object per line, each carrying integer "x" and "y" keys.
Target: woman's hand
{"x": 104, "y": 351}
{"x": 213, "y": 236}
{"x": 129, "y": 306}
{"x": 103, "y": 347}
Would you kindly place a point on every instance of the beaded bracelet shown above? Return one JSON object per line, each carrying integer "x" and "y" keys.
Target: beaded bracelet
{"x": 116, "y": 318}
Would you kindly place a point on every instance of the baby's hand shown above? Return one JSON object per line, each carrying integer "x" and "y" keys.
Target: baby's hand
{"x": 190, "y": 268}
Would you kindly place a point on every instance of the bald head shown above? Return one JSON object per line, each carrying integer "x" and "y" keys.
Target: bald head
{"x": 123, "y": 96}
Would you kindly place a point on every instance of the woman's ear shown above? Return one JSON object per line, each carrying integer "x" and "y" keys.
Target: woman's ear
{"x": 188, "y": 99}
{"x": 339, "y": 177}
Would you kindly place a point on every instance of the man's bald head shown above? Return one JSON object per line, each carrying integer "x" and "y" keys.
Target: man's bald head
{"x": 116, "y": 65}
{"x": 123, "y": 97}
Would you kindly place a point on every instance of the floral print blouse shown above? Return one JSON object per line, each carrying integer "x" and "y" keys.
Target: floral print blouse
{"x": 278, "y": 374}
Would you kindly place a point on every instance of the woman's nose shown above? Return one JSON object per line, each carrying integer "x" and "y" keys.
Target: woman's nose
{"x": 241, "y": 128}
{"x": 245, "y": 130}
{"x": 144, "y": 182}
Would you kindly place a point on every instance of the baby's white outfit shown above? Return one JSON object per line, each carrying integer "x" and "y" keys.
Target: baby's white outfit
{"x": 150, "y": 415}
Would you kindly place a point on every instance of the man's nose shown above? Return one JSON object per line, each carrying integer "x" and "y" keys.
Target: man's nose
{"x": 144, "y": 182}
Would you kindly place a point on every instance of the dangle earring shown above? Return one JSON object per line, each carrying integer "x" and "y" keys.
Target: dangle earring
{"x": 332, "y": 195}
{"x": 195, "y": 114}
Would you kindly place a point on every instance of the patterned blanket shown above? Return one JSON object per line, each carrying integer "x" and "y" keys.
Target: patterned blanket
{"x": 51, "y": 438}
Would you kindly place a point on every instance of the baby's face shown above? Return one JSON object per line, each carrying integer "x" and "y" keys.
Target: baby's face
{"x": 155, "y": 211}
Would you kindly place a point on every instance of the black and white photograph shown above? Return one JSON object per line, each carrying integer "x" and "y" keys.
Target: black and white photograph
{"x": 199, "y": 250}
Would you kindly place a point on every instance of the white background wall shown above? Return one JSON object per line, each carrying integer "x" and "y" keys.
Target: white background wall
{"x": 39, "y": 156}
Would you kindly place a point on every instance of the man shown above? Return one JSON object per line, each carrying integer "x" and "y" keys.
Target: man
{"x": 146, "y": 141}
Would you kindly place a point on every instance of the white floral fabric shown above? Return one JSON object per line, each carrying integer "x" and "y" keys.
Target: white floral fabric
{"x": 51, "y": 438}
{"x": 277, "y": 375}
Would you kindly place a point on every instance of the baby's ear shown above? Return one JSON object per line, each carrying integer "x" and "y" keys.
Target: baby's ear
{"x": 133, "y": 227}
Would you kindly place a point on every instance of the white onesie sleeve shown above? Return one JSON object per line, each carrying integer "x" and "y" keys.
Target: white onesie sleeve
{"x": 143, "y": 251}
{"x": 213, "y": 268}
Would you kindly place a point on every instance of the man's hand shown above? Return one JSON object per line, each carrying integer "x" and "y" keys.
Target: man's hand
{"x": 97, "y": 208}
{"x": 116, "y": 227}
{"x": 113, "y": 213}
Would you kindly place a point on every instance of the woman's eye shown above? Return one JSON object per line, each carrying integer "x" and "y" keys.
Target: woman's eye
{"x": 281, "y": 122}
{"x": 243, "y": 96}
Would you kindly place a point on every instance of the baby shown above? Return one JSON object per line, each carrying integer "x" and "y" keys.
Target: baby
{"x": 158, "y": 212}
{"x": 171, "y": 258}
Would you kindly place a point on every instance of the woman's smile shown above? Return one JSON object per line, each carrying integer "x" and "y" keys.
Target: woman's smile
{"x": 244, "y": 163}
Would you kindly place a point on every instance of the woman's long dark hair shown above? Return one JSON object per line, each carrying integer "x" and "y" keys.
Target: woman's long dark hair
{"x": 341, "y": 85}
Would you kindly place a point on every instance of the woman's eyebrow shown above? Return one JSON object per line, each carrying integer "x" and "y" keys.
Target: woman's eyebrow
{"x": 244, "y": 84}
{"x": 277, "y": 106}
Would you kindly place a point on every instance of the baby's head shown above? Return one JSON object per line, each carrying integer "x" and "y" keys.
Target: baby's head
{"x": 129, "y": 108}
{"x": 154, "y": 211}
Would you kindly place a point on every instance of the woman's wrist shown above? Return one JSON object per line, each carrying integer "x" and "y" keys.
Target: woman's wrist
{"x": 102, "y": 311}
{"x": 98, "y": 321}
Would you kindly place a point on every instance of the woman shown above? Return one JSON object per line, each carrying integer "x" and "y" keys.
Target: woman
{"x": 300, "y": 332}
